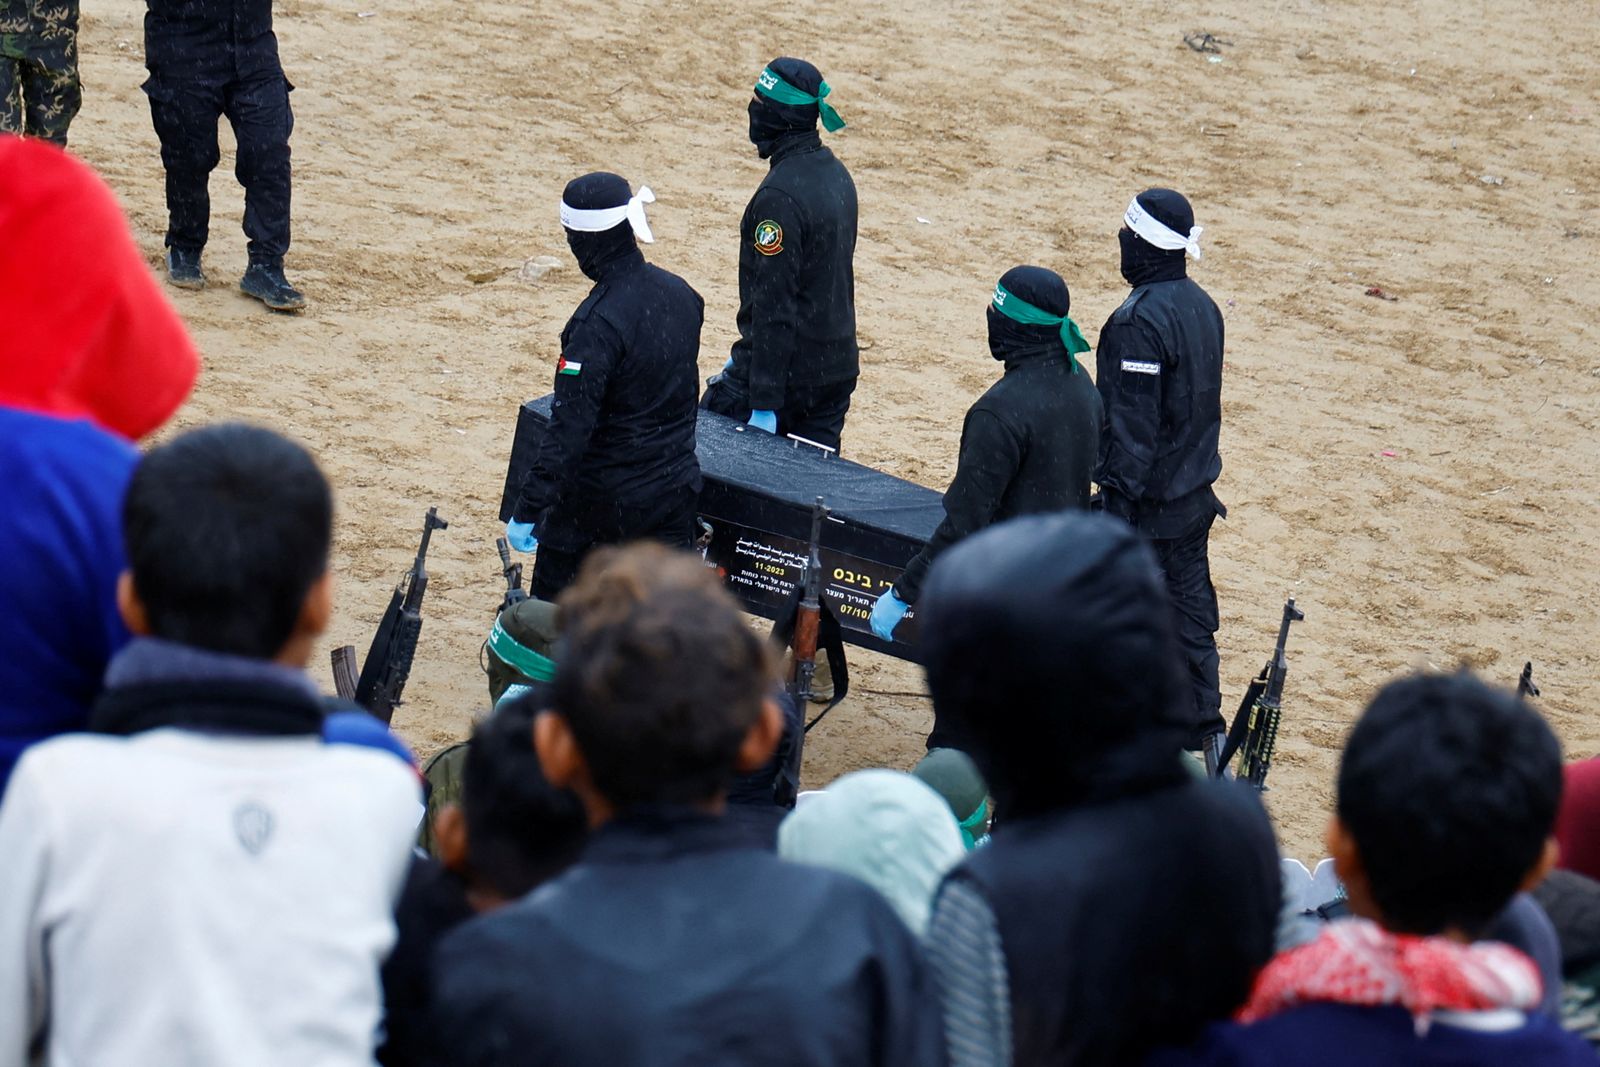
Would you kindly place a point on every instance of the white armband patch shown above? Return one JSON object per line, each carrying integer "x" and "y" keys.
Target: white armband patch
{"x": 1140, "y": 366}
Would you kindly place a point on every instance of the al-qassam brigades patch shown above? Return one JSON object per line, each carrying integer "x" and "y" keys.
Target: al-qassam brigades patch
{"x": 769, "y": 238}
{"x": 1141, "y": 366}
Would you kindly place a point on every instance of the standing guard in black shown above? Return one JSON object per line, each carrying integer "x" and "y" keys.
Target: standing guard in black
{"x": 617, "y": 460}
{"x": 209, "y": 58}
{"x": 796, "y": 362}
{"x": 1159, "y": 370}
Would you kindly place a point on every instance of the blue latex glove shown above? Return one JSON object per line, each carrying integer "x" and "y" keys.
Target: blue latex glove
{"x": 520, "y": 534}
{"x": 764, "y": 420}
{"x": 728, "y": 366}
{"x": 887, "y": 613}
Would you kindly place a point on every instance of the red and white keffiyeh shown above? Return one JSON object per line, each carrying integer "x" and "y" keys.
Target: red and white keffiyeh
{"x": 1356, "y": 961}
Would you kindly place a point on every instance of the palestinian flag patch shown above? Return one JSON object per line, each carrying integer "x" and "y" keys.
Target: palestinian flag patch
{"x": 567, "y": 366}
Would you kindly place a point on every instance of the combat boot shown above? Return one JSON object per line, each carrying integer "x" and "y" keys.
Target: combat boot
{"x": 265, "y": 281}
{"x": 183, "y": 268}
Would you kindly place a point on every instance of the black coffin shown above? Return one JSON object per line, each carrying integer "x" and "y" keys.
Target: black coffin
{"x": 757, "y": 500}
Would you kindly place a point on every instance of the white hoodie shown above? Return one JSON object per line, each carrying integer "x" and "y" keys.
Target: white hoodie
{"x": 181, "y": 899}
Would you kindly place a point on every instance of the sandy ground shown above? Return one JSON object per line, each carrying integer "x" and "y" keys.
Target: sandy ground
{"x": 1418, "y": 472}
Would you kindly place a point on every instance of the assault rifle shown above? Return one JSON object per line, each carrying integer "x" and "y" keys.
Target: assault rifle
{"x": 805, "y": 624}
{"x": 388, "y": 664}
{"x": 1254, "y": 734}
{"x": 808, "y": 621}
{"x": 513, "y": 575}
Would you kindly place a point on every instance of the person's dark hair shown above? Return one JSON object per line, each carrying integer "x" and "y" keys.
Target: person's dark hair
{"x": 1449, "y": 789}
{"x": 227, "y": 528}
{"x": 660, "y": 678}
{"x": 521, "y": 830}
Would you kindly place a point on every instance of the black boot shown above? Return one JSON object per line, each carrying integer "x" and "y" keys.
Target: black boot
{"x": 183, "y": 268}
{"x": 265, "y": 282}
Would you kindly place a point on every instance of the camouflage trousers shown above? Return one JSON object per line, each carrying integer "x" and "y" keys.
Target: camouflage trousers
{"x": 39, "y": 88}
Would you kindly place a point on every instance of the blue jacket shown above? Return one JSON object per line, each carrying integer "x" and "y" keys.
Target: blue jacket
{"x": 61, "y": 488}
{"x": 673, "y": 943}
{"x": 1343, "y": 1035}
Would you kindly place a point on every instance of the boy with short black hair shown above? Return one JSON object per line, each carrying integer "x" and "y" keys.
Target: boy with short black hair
{"x": 510, "y": 832}
{"x": 671, "y": 941}
{"x": 1446, "y": 807}
{"x": 204, "y": 839}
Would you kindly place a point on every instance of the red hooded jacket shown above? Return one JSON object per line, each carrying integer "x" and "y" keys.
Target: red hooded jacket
{"x": 85, "y": 329}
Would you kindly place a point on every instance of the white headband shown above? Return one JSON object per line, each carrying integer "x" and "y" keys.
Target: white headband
{"x": 605, "y": 218}
{"x": 1159, "y": 233}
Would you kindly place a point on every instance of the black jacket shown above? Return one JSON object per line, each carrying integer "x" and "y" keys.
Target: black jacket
{"x": 209, "y": 40}
{"x": 433, "y": 902}
{"x": 1028, "y": 445}
{"x": 622, "y": 425}
{"x": 797, "y": 293}
{"x": 1159, "y": 370}
{"x": 1129, "y": 924}
{"x": 669, "y": 944}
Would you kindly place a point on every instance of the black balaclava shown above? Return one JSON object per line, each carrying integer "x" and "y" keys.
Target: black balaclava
{"x": 1012, "y": 342}
{"x": 1049, "y": 638}
{"x": 1143, "y": 262}
{"x": 596, "y": 192}
{"x": 772, "y": 122}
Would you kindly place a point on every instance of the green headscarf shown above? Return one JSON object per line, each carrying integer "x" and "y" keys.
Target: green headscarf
{"x": 1019, "y": 310}
{"x": 772, "y": 86}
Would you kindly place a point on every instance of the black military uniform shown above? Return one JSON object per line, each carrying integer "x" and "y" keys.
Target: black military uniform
{"x": 617, "y": 460}
{"x": 209, "y": 58}
{"x": 796, "y": 354}
{"x": 1029, "y": 444}
{"x": 1159, "y": 370}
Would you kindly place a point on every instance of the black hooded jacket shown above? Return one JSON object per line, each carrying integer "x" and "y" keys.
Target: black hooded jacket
{"x": 672, "y": 942}
{"x": 1028, "y": 444}
{"x": 1159, "y": 371}
{"x": 1129, "y": 901}
{"x": 622, "y": 426}
{"x": 797, "y": 300}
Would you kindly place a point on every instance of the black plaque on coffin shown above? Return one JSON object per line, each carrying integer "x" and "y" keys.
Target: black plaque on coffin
{"x": 757, "y": 499}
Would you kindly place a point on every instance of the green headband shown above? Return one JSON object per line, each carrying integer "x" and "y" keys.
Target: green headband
{"x": 1019, "y": 310}
{"x": 519, "y": 656}
{"x": 979, "y": 816}
{"x": 771, "y": 86}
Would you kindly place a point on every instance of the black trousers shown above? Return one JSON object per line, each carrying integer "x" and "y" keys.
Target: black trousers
{"x": 815, "y": 412}
{"x": 567, "y": 536}
{"x": 1187, "y": 565}
{"x": 185, "y": 114}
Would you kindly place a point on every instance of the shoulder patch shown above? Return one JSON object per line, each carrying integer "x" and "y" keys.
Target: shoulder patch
{"x": 768, "y": 237}
{"x": 1141, "y": 366}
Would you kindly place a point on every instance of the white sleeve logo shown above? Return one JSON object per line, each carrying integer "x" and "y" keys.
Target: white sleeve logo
{"x": 1140, "y": 366}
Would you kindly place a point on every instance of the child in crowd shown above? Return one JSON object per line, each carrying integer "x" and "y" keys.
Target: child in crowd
{"x": 203, "y": 880}
{"x": 1446, "y": 807}
{"x": 671, "y": 941}
{"x": 510, "y": 832}
{"x": 1121, "y": 903}
{"x": 884, "y": 827}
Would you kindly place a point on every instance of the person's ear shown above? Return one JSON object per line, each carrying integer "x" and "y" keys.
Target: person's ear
{"x": 1546, "y": 863}
{"x": 317, "y": 610}
{"x": 1352, "y": 872}
{"x": 761, "y": 740}
{"x": 559, "y": 755}
{"x": 130, "y": 607}
{"x": 450, "y": 837}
